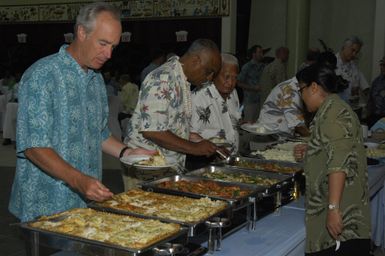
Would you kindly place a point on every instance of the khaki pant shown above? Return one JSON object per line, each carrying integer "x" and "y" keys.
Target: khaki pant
{"x": 133, "y": 177}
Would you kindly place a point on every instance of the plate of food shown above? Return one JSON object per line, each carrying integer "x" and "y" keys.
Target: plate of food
{"x": 153, "y": 162}
{"x": 257, "y": 128}
{"x": 220, "y": 142}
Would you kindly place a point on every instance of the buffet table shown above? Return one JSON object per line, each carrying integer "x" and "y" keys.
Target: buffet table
{"x": 280, "y": 233}
{"x": 283, "y": 232}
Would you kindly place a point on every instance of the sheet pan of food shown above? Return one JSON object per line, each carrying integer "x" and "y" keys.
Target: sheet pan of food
{"x": 119, "y": 232}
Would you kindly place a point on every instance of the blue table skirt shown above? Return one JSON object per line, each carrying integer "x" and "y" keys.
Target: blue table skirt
{"x": 280, "y": 233}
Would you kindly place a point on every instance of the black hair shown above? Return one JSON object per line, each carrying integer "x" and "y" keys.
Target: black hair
{"x": 324, "y": 76}
{"x": 312, "y": 55}
{"x": 327, "y": 58}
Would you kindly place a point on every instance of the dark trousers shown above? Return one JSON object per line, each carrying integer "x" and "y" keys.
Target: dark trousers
{"x": 354, "y": 247}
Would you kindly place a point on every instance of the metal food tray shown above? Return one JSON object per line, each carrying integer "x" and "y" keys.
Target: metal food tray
{"x": 234, "y": 202}
{"x": 284, "y": 180}
{"x": 233, "y": 160}
{"x": 42, "y": 236}
{"x": 190, "y": 225}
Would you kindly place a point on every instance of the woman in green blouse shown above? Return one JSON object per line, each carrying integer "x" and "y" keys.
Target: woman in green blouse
{"x": 337, "y": 199}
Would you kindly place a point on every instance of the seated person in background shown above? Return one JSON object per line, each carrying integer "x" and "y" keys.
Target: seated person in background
{"x": 111, "y": 84}
{"x": 283, "y": 110}
{"x": 128, "y": 94}
{"x": 376, "y": 102}
{"x": 215, "y": 108}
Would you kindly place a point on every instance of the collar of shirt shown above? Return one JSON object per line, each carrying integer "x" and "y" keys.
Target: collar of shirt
{"x": 64, "y": 54}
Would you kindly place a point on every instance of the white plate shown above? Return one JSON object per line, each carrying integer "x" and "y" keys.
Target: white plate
{"x": 371, "y": 144}
{"x": 133, "y": 160}
{"x": 258, "y": 129}
{"x": 220, "y": 142}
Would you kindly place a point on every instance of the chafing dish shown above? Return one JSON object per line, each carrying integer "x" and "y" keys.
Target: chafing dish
{"x": 247, "y": 201}
{"x": 273, "y": 181}
{"x": 264, "y": 165}
{"x": 237, "y": 201}
{"x": 87, "y": 246}
{"x": 192, "y": 226}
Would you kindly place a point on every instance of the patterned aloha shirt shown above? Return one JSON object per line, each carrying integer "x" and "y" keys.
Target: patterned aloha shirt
{"x": 250, "y": 74}
{"x": 283, "y": 108}
{"x": 350, "y": 72}
{"x": 336, "y": 144}
{"x": 64, "y": 108}
{"x": 212, "y": 116}
{"x": 164, "y": 105}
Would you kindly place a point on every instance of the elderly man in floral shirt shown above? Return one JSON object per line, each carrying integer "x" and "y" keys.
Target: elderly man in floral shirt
{"x": 162, "y": 116}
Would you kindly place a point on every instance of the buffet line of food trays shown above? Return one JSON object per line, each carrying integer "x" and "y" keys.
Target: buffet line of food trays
{"x": 273, "y": 177}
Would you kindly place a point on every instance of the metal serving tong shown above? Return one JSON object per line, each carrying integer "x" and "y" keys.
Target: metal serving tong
{"x": 222, "y": 155}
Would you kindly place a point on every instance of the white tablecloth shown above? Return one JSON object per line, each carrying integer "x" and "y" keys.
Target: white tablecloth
{"x": 9, "y": 125}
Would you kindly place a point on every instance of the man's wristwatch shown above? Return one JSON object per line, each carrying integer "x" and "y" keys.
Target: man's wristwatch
{"x": 333, "y": 206}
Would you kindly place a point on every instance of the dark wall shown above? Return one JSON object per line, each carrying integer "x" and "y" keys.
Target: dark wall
{"x": 45, "y": 39}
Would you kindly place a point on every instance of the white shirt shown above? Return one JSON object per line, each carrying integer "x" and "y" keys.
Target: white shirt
{"x": 212, "y": 116}
{"x": 350, "y": 72}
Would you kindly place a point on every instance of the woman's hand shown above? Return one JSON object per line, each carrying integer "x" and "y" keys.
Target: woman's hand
{"x": 299, "y": 152}
{"x": 334, "y": 223}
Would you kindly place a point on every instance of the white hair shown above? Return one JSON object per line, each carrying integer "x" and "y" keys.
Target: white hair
{"x": 88, "y": 13}
{"x": 352, "y": 40}
{"x": 229, "y": 59}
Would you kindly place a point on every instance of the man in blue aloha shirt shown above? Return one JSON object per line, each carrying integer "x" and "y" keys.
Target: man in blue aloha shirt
{"x": 62, "y": 121}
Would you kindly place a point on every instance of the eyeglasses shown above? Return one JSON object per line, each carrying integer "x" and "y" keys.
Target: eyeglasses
{"x": 300, "y": 89}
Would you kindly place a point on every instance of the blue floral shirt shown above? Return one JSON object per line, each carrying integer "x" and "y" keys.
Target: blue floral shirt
{"x": 164, "y": 105}
{"x": 64, "y": 108}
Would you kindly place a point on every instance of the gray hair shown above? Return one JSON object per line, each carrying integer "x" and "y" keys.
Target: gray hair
{"x": 352, "y": 40}
{"x": 229, "y": 59}
{"x": 202, "y": 44}
{"x": 88, "y": 13}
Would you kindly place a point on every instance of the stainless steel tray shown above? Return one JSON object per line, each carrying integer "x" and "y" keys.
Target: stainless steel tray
{"x": 190, "y": 225}
{"x": 234, "y": 202}
{"x": 64, "y": 241}
{"x": 283, "y": 180}
{"x": 252, "y": 164}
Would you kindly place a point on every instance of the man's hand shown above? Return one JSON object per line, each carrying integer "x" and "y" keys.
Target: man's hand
{"x": 139, "y": 151}
{"x": 204, "y": 148}
{"x": 91, "y": 188}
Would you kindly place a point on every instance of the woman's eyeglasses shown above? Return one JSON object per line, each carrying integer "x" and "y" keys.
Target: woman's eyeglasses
{"x": 300, "y": 89}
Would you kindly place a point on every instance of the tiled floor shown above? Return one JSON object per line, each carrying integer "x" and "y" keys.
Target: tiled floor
{"x": 11, "y": 243}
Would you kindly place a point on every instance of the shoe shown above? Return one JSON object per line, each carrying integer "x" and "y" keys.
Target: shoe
{"x": 7, "y": 142}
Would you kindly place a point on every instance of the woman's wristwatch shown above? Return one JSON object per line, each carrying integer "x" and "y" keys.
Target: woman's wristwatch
{"x": 333, "y": 207}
